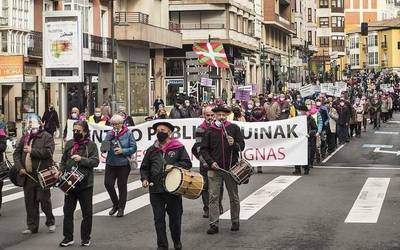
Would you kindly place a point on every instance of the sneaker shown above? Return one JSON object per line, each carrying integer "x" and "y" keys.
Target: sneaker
{"x": 52, "y": 228}
{"x": 85, "y": 243}
{"x": 66, "y": 243}
{"x": 235, "y": 226}
{"x": 113, "y": 211}
{"x": 212, "y": 230}
{"x": 27, "y": 231}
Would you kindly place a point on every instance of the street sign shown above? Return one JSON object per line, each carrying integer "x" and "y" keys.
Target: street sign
{"x": 206, "y": 82}
{"x": 196, "y": 78}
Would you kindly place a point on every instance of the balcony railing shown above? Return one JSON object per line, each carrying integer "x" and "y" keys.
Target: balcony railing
{"x": 338, "y": 48}
{"x": 96, "y": 46}
{"x": 337, "y": 9}
{"x": 191, "y": 26}
{"x": 122, "y": 18}
{"x": 35, "y": 47}
{"x": 337, "y": 29}
{"x": 174, "y": 27}
{"x": 384, "y": 45}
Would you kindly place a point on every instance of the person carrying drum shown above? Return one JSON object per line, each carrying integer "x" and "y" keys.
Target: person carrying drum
{"x": 82, "y": 153}
{"x": 120, "y": 145}
{"x": 208, "y": 120}
{"x": 220, "y": 148}
{"x": 33, "y": 153}
{"x": 3, "y": 147}
{"x": 166, "y": 151}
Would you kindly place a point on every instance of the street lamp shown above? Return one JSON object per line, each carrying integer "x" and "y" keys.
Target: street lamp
{"x": 113, "y": 87}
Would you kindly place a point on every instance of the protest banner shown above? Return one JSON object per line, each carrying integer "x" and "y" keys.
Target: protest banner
{"x": 307, "y": 90}
{"x": 275, "y": 143}
{"x": 294, "y": 85}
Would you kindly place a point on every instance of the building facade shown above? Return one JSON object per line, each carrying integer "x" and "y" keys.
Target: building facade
{"x": 329, "y": 62}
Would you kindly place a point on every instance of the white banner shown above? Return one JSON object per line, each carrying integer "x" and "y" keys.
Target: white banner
{"x": 307, "y": 90}
{"x": 294, "y": 85}
{"x": 276, "y": 143}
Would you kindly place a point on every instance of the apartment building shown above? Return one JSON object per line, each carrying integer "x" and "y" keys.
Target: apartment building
{"x": 378, "y": 51}
{"x": 276, "y": 36}
{"x": 305, "y": 38}
{"x": 358, "y": 11}
{"x": 329, "y": 61}
{"x": 235, "y": 23}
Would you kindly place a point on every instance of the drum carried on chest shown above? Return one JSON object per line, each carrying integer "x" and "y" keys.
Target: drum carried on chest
{"x": 184, "y": 182}
{"x": 70, "y": 180}
{"x": 48, "y": 177}
{"x": 242, "y": 171}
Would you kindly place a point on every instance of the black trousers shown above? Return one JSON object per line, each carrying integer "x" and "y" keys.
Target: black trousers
{"x": 85, "y": 198}
{"x": 331, "y": 141}
{"x": 205, "y": 195}
{"x": 35, "y": 195}
{"x": 358, "y": 129}
{"x": 119, "y": 174}
{"x": 1, "y": 193}
{"x": 172, "y": 204}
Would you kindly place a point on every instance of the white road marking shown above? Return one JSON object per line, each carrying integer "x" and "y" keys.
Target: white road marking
{"x": 378, "y": 150}
{"x": 9, "y": 187}
{"x": 257, "y": 200}
{"x": 369, "y": 168}
{"x": 13, "y": 197}
{"x": 131, "y": 205}
{"x": 396, "y": 122}
{"x": 386, "y": 133}
{"x": 97, "y": 198}
{"x": 368, "y": 205}
{"x": 333, "y": 153}
{"x": 376, "y": 146}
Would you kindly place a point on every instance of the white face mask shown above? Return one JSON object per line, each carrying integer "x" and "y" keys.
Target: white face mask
{"x": 97, "y": 114}
{"x": 218, "y": 123}
{"x": 250, "y": 106}
{"x": 74, "y": 115}
{"x": 34, "y": 130}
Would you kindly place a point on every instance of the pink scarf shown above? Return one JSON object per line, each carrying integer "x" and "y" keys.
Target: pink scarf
{"x": 76, "y": 145}
{"x": 120, "y": 133}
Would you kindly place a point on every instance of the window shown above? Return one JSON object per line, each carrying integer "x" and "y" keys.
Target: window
{"x": 337, "y": 41}
{"x": 4, "y": 41}
{"x": 373, "y": 40}
{"x": 324, "y": 3}
{"x": 337, "y": 21}
{"x": 324, "y": 41}
{"x": 324, "y": 22}
{"x": 309, "y": 14}
{"x": 138, "y": 87}
{"x": 174, "y": 67}
{"x": 309, "y": 38}
{"x": 83, "y": 7}
{"x": 355, "y": 60}
{"x": 337, "y": 3}
{"x": 373, "y": 58}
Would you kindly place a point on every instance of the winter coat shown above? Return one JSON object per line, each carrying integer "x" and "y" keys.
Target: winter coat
{"x": 359, "y": 112}
{"x": 215, "y": 147}
{"x": 272, "y": 111}
{"x": 333, "y": 118}
{"x": 126, "y": 142}
{"x": 41, "y": 155}
{"x": 385, "y": 106}
{"x": 50, "y": 118}
{"x": 157, "y": 157}
{"x": 89, "y": 160}
{"x": 344, "y": 115}
{"x": 285, "y": 109}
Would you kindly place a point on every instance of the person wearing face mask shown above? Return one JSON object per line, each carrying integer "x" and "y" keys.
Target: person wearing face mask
{"x": 50, "y": 120}
{"x": 365, "y": 104}
{"x": 120, "y": 145}
{"x": 359, "y": 110}
{"x": 257, "y": 115}
{"x": 220, "y": 148}
{"x": 375, "y": 112}
{"x": 343, "y": 122}
{"x": 323, "y": 111}
{"x": 74, "y": 115}
{"x": 82, "y": 153}
{"x": 272, "y": 108}
{"x": 208, "y": 120}
{"x": 249, "y": 108}
{"x": 331, "y": 138}
{"x": 161, "y": 114}
{"x": 97, "y": 117}
{"x": 33, "y": 153}
{"x": 166, "y": 151}
{"x": 176, "y": 111}
{"x": 284, "y": 108}
{"x": 237, "y": 114}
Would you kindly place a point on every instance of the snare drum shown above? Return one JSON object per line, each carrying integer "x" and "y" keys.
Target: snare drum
{"x": 48, "y": 177}
{"x": 242, "y": 171}
{"x": 70, "y": 180}
{"x": 184, "y": 182}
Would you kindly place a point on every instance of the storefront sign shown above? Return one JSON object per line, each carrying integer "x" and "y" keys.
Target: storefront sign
{"x": 206, "y": 82}
{"x": 11, "y": 69}
{"x": 62, "y": 47}
{"x": 276, "y": 143}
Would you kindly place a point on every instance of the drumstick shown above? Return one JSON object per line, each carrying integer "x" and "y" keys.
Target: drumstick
{"x": 31, "y": 177}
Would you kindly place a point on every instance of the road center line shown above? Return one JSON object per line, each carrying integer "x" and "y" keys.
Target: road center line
{"x": 257, "y": 200}
{"x": 368, "y": 205}
{"x": 333, "y": 153}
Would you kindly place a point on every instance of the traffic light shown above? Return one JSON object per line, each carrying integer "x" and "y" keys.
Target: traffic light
{"x": 364, "y": 29}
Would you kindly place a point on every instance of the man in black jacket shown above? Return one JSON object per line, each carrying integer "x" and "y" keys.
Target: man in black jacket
{"x": 165, "y": 151}
{"x": 343, "y": 121}
{"x": 50, "y": 120}
{"x": 220, "y": 148}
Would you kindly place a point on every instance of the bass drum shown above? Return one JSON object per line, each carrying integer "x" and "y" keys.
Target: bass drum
{"x": 184, "y": 182}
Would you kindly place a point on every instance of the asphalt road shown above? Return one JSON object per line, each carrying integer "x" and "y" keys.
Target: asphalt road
{"x": 350, "y": 202}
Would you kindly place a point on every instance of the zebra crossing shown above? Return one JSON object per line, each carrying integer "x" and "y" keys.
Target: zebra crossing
{"x": 366, "y": 208}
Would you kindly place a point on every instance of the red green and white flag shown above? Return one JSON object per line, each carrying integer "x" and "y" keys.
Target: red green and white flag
{"x": 212, "y": 54}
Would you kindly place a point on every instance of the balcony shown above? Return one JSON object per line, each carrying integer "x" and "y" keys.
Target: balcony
{"x": 297, "y": 42}
{"x": 364, "y": 47}
{"x": 384, "y": 63}
{"x": 338, "y": 48}
{"x": 35, "y": 47}
{"x": 280, "y": 22}
{"x": 384, "y": 45}
{"x": 134, "y": 27}
{"x": 100, "y": 47}
{"x": 337, "y": 29}
{"x": 191, "y": 26}
{"x": 313, "y": 48}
